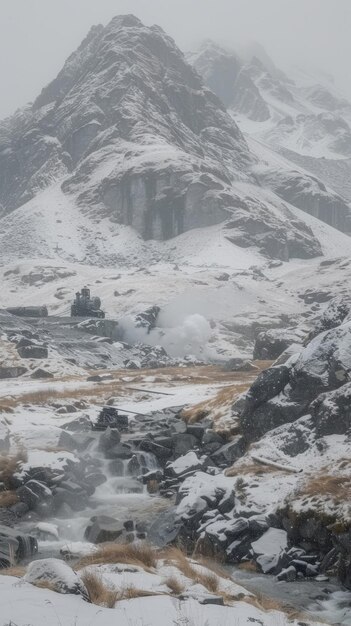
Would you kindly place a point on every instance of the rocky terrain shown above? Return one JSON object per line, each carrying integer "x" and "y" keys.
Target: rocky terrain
{"x": 205, "y": 200}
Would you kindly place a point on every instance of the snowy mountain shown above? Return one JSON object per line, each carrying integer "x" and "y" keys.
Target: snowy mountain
{"x": 300, "y": 115}
{"x": 132, "y": 135}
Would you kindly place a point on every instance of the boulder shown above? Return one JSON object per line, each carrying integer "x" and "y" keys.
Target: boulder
{"x": 189, "y": 462}
{"x": 58, "y": 574}
{"x": 119, "y": 451}
{"x": 109, "y": 438}
{"x": 267, "y": 385}
{"x": 331, "y": 412}
{"x": 33, "y": 352}
{"x": 270, "y": 344}
{"x": 15, "y": 546}
{"x": 102, "y": 528}
{"x": 37, "y": 496}
{"x": 40, "y": 373}
{"x": 12, "y": 372}
{"x": 183, "y": 442}
{"x": 161, "y": 452}
{"x": 289, "y": 574}
{"x": 230, "y": 452}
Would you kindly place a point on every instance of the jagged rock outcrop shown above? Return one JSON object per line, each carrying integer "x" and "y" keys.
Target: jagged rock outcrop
{"x": 309, "y": 194}
{"x": 285, "y": 393}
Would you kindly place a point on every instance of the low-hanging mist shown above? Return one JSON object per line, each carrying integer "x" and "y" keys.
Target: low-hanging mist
{"x": 184, "y": 337}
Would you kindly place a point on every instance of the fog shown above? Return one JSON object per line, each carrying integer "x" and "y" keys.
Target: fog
{"x": 36, "y": 36}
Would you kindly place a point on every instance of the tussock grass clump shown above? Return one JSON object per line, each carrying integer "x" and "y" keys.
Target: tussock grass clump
{"x": 8, "y": 498}
{"x": 139, "y": 554}
{"x": 99, "y": 593}
{"x": 129, "y": 593}
{"x": 174, "y": 584}
{"x": 210, "y": 580}
{"x": 9, "y": 465}
{"x": 102, "y": 594}
{"x": 45, "y": 584}
{"x": 336, "y": 488}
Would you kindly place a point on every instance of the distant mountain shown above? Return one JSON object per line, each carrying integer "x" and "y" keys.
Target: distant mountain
{"x": 301, "y": 116}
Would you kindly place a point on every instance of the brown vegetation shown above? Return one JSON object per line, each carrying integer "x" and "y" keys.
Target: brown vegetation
{"x": 99, "y": 593}
{"x": 175, "y": 585}
{"x": 139, "y": 554}
{"x": 235, "y": 383}
{"x": 8, "y": 498}
{"x": 118, "y": 386}
{"x": 336, "y": 488}
{"x": 9, "y": 465}
{"x": 208, "y": 579}
{"x": 17, "y": 571}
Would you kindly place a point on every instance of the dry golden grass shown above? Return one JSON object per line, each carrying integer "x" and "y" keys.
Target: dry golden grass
{"x": 256, "y": 469}
{"x": 5, "y": 409}
{"x": 336, "y": 488}
{"x": 175, "y": 585}
{"x": 99, "y": 593}
{"x": 9, "y": 464}
{"x": 141, "y": 555}
{"x": 17, "y": 571}
{"x": 235, "y": 383}
{"x": 129, "y": 593}
{"x": 119, "y": 386}
{"x": 176, "y": 557}
{"x": 45, "y": 584}
{"x": 8, "y": 498}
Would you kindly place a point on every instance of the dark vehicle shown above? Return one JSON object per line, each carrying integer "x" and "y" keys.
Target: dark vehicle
{"x": 28, "y": 311}
{"x": 85, "y": 306}
{"x": 109, "y": 417}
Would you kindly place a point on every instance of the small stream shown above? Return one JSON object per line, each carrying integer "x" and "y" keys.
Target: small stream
{"x": 125, "y": 498}
{"x": 324, "y": 600}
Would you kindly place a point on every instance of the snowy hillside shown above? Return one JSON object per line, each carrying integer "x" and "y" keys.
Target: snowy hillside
{"x": 297, "y": 113}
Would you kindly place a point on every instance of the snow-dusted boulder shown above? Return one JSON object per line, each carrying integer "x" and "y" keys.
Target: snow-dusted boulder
{"x": 284, "y": 393}
{"x": 270, "y": 344}
{"x": 55, "y": 572}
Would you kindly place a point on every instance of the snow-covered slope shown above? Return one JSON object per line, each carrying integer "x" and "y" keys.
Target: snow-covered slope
{"x": 134, "y": 137}
{"x": 299, "y": 113}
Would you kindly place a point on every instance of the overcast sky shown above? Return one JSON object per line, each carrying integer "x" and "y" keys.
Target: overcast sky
{"x": 36, "y": 36}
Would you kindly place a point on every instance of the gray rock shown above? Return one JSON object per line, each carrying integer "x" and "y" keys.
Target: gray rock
{"x": 41, "y": 373}
{"x": 33, "y": 352}
{"x": 289, "y": 574}
{"x": 109, "y": 438}
{"x": 230, "y": 452}
{"x": 183, "y": 442}
{"x": 270, "y": 344}
{"x": 12, "y": 372}
{"x": 60, "y": 575}
{"x": 102, "y": 528}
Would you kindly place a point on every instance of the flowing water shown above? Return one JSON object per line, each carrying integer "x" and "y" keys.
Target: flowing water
{"x": 125, "y": 498}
